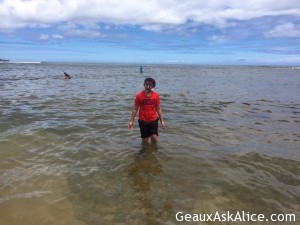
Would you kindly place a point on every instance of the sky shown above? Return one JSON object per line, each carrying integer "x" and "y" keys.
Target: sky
{"x": 255, "y": 32}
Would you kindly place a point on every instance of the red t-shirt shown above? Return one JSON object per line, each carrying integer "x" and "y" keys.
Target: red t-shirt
{"x": 147, "y": 110}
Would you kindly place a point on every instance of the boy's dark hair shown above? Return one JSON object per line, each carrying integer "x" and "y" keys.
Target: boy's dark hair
{"x": 150, "y": 80}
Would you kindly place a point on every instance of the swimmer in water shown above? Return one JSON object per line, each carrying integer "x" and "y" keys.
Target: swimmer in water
{"x": 67, "y": 76}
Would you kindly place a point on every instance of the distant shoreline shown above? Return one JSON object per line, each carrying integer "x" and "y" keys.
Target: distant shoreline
{"x": 293, "y": 66}
{"x": 8, "y": 61}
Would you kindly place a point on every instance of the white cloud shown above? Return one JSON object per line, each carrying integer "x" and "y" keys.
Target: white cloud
{"x": 217, "y": 39}
{"x": 285, "y": 30}
{"x": 152, "y": 27}
{"x": 84, "y": 33}
{"x": 57, "y": 36}
{"x": 85, "y": 29}
{"x": 150, "y": 14}
{"x": 44, "y": 37}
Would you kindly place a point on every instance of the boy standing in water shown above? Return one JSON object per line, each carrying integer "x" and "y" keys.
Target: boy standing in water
{"x": 147, "y": 102}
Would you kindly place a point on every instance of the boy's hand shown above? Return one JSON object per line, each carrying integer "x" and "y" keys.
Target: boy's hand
{"x": 130, "y": 125}
{"x": 163, "y": 124}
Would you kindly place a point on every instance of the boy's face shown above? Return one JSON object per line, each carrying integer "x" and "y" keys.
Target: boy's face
{"x": 148, "y": 86}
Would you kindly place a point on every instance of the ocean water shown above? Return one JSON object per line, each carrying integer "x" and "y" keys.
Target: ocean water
{"x": 232, "y": 143}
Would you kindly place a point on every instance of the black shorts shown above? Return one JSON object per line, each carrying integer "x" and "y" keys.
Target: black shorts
{"x": 148, "y": 128}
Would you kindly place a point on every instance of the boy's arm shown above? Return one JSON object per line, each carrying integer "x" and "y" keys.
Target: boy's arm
{"x": 159, "y": 112}
{"x": 134, "y": 111}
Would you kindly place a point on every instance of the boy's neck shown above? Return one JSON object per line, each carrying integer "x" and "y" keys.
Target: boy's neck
{"x": 148, "y": 92}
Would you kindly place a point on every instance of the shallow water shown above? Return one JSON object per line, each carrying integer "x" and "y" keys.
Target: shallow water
{"x": 231, "y": 144}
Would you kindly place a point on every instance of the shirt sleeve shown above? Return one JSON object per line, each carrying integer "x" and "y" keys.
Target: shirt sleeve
{"x": 137, "y": 100}
{"x": 157, "y": 101}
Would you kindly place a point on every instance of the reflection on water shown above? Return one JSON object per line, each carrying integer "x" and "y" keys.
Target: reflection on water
{"x": 127, "y": 194}
{"x": 231, "y": 143}
{"x": 143, "y": 171}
